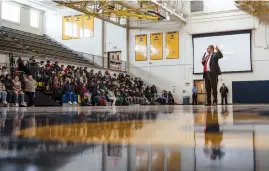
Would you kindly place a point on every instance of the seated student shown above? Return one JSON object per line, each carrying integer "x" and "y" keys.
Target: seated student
{"x": 62, "y": 68}
{"x": 114, "y": 77}
{"x": 85, "y": 71}
{"x": 146, "y": 101}
{"x": 8, "y": 86}
{"x": 96, "y": 97}
{"x": 103, "y": 85}
{"x": 103, "y": 96}
{"x": 138, "y": 96}
{"x": 119, "y": 97}
{"x": 68, "y": 90}
{"x": 165, "y": 95}
{"x": 67, "y": 68}
{"x": 90, "y": 75}
{"x": 147, "y": 93}
{"x": 99, "y": 75}
{"x": 111, "y": 96}
{"x": 142, "y": 98}
{"x": 153, "y": 90}
{"x": 30, "y": 87}
{"x": 57, "y": 68}
{"x": 109, "y": 85}
{"x": 3, "y": 93}
{"x": 161, "y": 98}
{"x": 128, "y": 99}
{"x": 171, "y": 100}
{"x": 85, "y": 93}
{"x": 135, "y": 97}
{"x": 48, "y": 65}
{"x": 124, "y": 96}
{"x": 57, "y": 90}
{"x": 17, "y": 91}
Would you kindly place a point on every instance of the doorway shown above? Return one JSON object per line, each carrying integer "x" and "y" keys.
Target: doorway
{"x": 201, "y": 91}
{"x": 114, "y": 60}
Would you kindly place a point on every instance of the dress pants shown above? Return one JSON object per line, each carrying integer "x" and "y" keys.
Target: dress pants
{"x": 211, "y": 83}
{"x": 194, "y": 99}
{"x": 31, "y": 98}
{"x": 224, "y": 98}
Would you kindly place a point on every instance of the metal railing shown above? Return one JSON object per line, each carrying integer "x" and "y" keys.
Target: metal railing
{"x": 104, "y": 62}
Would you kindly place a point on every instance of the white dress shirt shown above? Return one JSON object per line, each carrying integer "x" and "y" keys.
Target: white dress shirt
{"x": 208, "y": 62}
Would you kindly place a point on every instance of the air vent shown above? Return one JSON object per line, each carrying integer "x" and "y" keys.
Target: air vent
{"x": 197, "y": 6}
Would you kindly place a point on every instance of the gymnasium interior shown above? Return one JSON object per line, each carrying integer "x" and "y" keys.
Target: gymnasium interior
{"x": 118, "y": 85}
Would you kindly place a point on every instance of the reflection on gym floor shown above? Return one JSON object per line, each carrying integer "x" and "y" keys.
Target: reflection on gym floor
{"x": 133, "y": 138}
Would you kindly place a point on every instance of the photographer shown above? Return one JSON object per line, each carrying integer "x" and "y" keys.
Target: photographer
{"x": 30, "y": 88}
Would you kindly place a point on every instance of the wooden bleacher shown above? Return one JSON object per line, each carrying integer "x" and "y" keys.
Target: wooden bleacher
{"x": 16, "y": 41}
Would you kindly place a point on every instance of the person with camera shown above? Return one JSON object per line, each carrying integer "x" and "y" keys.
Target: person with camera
{"x": 30, "y": 88}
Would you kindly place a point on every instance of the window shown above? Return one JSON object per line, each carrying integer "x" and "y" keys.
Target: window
{"x": 197, "y": 6}
{"x": 10, "y": 12}
{"x": 68, "y": 29}
{"x": 34, "y": 18}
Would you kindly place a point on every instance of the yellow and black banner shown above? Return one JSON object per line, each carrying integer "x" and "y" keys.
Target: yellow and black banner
{"x": 141, "y": 47}
{"x": 67, "y": 28}
{"x": 172, "y": 45}
{"x": 156, "y": 46}
{"x": 88, "y": 25}
{"x": 77, "y": 27}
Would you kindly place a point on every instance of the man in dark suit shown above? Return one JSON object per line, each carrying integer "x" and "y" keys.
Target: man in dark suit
{"x": 213, "y": 135}
{"x": 224, "y": 91}
{"x": 212, "y": 70}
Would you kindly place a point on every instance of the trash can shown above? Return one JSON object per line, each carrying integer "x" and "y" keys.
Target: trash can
{"x": 186, "y": 100}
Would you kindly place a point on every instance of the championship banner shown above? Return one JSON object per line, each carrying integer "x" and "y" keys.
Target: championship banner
{"x": 141, "y": 47}
{"x": 156, "y": 46}
{"x": 77, "y": 27}
{"x": 67, "y": 27}
{"x": 88, "y": 25}
{"x": 172, "y": 45}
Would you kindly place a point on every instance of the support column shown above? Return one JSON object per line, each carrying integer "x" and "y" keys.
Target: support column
{"x": 128, "y": 65}
{"x": 103, "y": 42}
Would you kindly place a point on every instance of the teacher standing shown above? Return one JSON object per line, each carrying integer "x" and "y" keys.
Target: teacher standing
{"x": 212, "y": 70}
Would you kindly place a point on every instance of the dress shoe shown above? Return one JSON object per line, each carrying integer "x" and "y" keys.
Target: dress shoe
{"x": 214, "y": 104}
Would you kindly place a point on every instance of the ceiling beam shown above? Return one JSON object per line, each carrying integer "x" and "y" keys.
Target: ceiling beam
{"x": 88, "y": 13}
{"x": 169, "y": 10}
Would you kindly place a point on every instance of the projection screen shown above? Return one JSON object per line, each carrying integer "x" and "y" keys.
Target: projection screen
{"x": 235, "y": 46}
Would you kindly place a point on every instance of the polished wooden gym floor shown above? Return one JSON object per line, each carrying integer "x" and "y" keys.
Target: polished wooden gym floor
{"x": 135, "y": 138}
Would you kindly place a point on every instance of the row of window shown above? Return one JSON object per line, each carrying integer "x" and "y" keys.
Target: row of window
{"x": 11, "y": 12}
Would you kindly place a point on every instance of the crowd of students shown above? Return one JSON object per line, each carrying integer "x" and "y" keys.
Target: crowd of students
{"x": 11, "y": 91}
{"x": 94, "y": 88}
{"x": 100, "y": 88}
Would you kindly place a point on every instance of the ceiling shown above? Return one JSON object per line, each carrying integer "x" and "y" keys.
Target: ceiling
{"x": 257, "y": 8}
{"x": 137, "y": 11}
{"x": 120, "y": 12}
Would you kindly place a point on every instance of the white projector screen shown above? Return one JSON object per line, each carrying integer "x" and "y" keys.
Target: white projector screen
{"x": 235, "y": 46}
